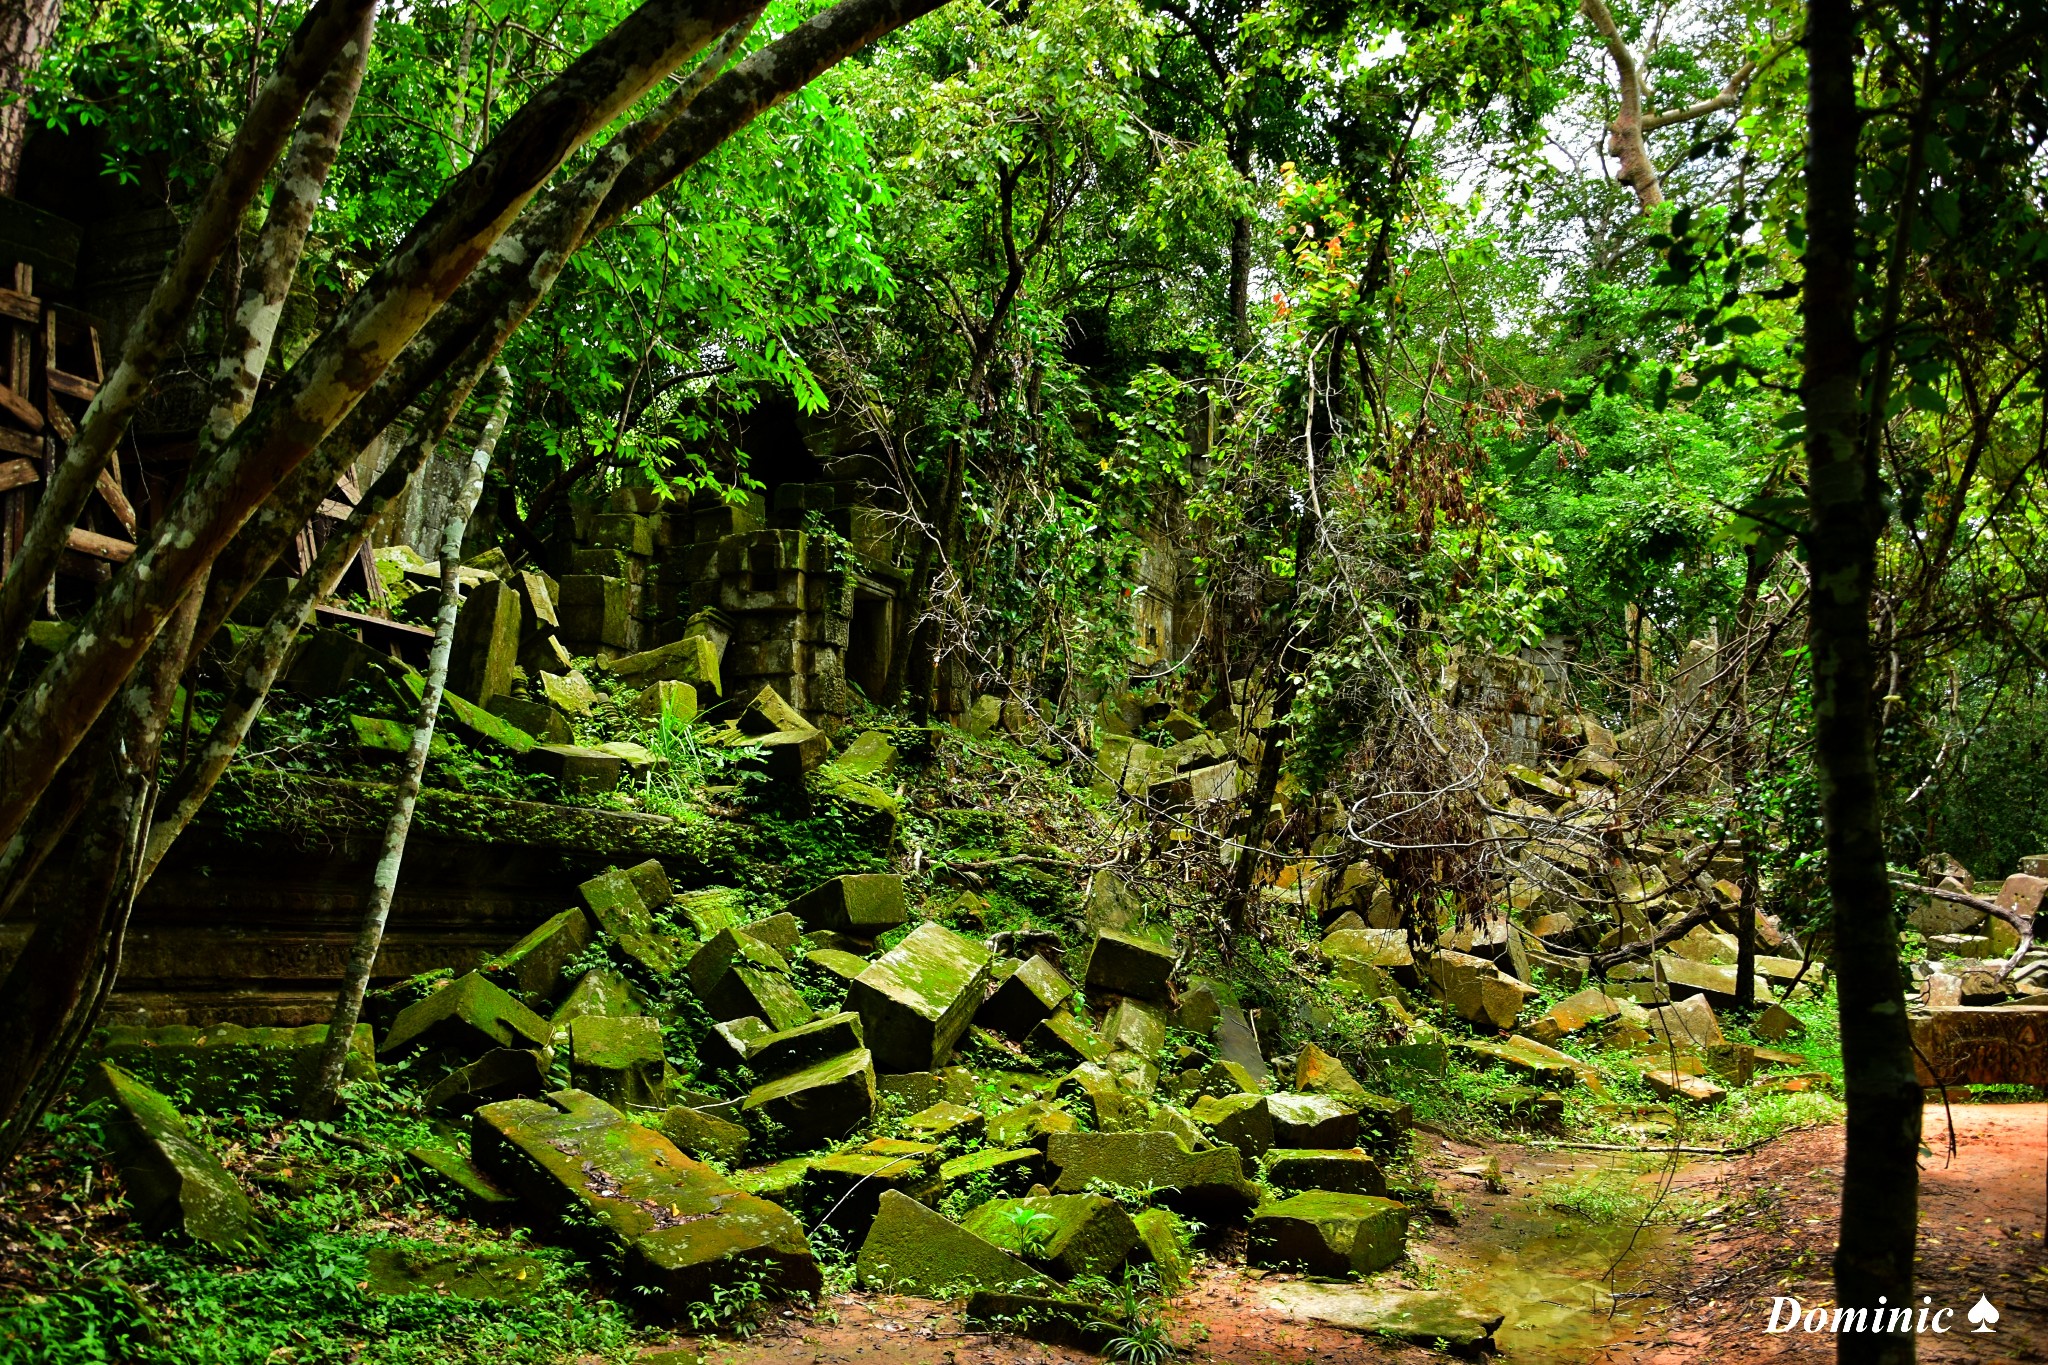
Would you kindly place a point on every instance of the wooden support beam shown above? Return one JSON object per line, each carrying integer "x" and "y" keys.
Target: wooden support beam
{"x": 70, "y": 385}
{"x": 14, "y": 442}
{"x": 99, "y": 546}
{"x": 15, "y": 473}
{"x": 19, "y": 408}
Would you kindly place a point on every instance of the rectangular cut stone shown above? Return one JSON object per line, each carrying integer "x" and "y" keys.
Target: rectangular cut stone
{"x": 778, "y": 1054}
{"x": 1122, "y": 963}
{"x": 467, "y": 1017}
{"x": 486, "y": 645}
{"x": 581, "y": 1164}
{"x": 912, "y": 1250}
{"x": 1210, "y": 1184}
{"x": 533, "y": 966}
{"x": 173, "y": 1182}
{"x": 1982, "y": 1045}
{"x": 821, "y": 1103}
{"x": 618, "y": 1060}
{"x": 1325, "y": 1233}
{"x": 864, "y": 905}
{"x": 919, "y": 997}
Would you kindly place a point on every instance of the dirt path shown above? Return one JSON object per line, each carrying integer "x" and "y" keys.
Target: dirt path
{"x": 1577, "y": 1292}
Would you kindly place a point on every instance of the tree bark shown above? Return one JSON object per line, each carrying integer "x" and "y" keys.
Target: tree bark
{"x": 466, "y": 222}
{"x": 348, "y": 1004}
{"x": 53, "y": 994}
{"x": 1880, "y": 1171}
{"x": 328, "y": 28}
{"x": 25, "y": 30}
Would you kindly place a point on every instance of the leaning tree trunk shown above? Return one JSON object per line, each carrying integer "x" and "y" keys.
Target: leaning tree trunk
{"x": 1880, "y": 1170}
{"x": 348, "y": 1005}
{"x": 25, "y": 30}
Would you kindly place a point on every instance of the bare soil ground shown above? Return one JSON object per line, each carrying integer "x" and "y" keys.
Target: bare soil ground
{"x": 1758, "y": 1226}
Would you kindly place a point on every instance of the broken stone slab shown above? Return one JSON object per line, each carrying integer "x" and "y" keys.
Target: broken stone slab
{"x": 1982, "y": 1045}
{"x": 705, "y": 1135}
{"x": 692, "y": 660}
{"x": 1575, "y": 1014}
{"x": 1032, "y": 1124}
{"x": 864, "y": 905}
{"x": 1777, "y": 1024}
{"x": 1686, "y": 979}
{"x": 780, "y": 932}
{"x": 466, "y": 1018}
{"x": 1526, "y": 1104}
{"x": 1011, "y": 1168}
{"x": 1109, "y": 903}
{"x": 598, "y": 991}
{"x": 845, "y": 1188}
{"x": 1325, "y": 1233}
{"x": 570, "y": 693}
{"x": 870, "y": 754}
{"x": 1677, "y": 1085}
{"x": 1201, "y": 1005}
{"x": 1688, "y": 1025}
{"x": 1166, "y": 1247}
{"x": 488, "y": 1276}
{"x": 1312, "y": 1121}
{"x": 1475, "y": 989}
{"x": 1340, "y": 1171}
{"x": 1237, "y": 1043}
{"x": 910, "y": 1091}
{"x": 582, "y": 1165}
{"x": 454, "y": 1173}
{"x": 668, "y": 702}
{"x": 619, "y": 1060}
{"x": 737, "y": 975}
{"x": 778, "y": 1054}
{"x": 1316, "y": 1072}
{"x": 909, "y": 1249}
{"x": 1109, "y": 1105}
{"x": 175, "y": 1185}
{"x": 533, "y": 966}
{"x": 1135, "y": 1026}
{"x": 919, "y": 997}
{"x": 1386, "y": 949}
{"x": 1026, "y": 998}
{"x": 1422, "y": 1317}
{"x": 946, "y": 1122}
{"x": 577, "y": 770}
{"x": 1546, "y": 1067}
{"x": 1240, "y": 1121}
{"x": 616, "y": 902}
{"x": 225, "y": 1066}
{"x": 1063, "y": 1032}
{"x": 843, "y": 965}
{"x": 501, "y": 1074}
{"x": 1066, "y": 1235}
{"x": 712, "y": 908}
{"x": 1209, "y": 1184}
{"x": 1123, "y": 963}
{"x": 821, "y": 1103}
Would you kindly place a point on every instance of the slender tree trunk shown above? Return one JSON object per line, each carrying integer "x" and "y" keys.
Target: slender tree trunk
{"x": 348, "y": 1005}
{"x": 1880, "y": 1171}
{"x": 1241, "y": 247}
{"x": 1740, "y": 757}
{"x": 25, "y": 29}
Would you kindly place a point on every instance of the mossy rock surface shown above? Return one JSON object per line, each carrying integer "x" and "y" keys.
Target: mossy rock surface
{"x": 503, "y": 1073}
{"x": 1312, "y": 1120}
{"x": 1314, "y": 1168}
{"x": 704, "y": 1135}
{"x": 1209, "y": 1184}
{"x": 844, "y": 1189}
{"x": 917, "y": 999}
{"x": 1065, "y": 1234}
{"x": 598, "y": 991}
{"x": 819, "y": 1104}
{"x": 1025, "y": 999}
{"x": 175, "y": 1185}
{"x": 1123, "y": 963}
{"x": 458, "y": 1175}
{"x": 533, "y": 966}
{"x": 1241, "y": 1121}
{"x": 1166, "y": 1245}
{"x": 910, "y": 1249}
{"x": 225, "y": 1066}
{"x": 1325, "y": 1233}
{"x": 583, "y": 1167}
{"x": 1011, "y": 1167}
{"x": 467, "y": 1018}
{"x": 790, "y": 1050}
{"x": 492, "y": 1276}
{"x": 619, "y": 1060}
{"x": 946, "y": 1122}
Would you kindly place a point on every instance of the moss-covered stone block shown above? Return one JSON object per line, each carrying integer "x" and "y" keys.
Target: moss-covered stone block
{"x": 1229, "y": 1078}
{"x": 712, "y": 908}
{"x": 919, "y": 997}
{"x": 532, "y": 967}
{"x": 1326, "y": 1233}
{"x": 909, "y": 1091}
{"x": 845, "y": 966}
{"x": 778, "y": 1054}
{"x": 821, "y": 1103}
{"x": 1124, "y": 963}
{"x": 1135, "y": 1026}
{"x": 1064, "y": 1032}
{"x": 1010, "y": 1169}
{"x": 1208, "y": 1184}
{"x": 1312, "y": 1120}
{"x": 945, "y": 1122}
{"x": 781, "y": 932}
{"x": 1066, "y": 1235}
{"x": 466, "y": 1018}
{"x": 736, "y": 975}
{"x": 864, "y": 905}
{"x": 619, "y": 1060}
{"x": 488, "y": 1276}
{"x": 503, "y": 1073}
{"x": 1026, "y": 998}
{"x": 175, "y": 1185}
{"x": 225, "y": 1066}
{"x": 1031, "y": 1124}
{"x": 909, "y": 1249}
{"x": 598, "y": 991}
{"x": 845, "y": 1188}
{"x": 456, "y": 1175}
{"x": 1240, "y": 1121}
{"x": 692, "y": 660}
{"x": 1166, "y": 1246}
{"x": 614, "y": 900}
{"x": 1340, "y": 1171}
{"x": 582, "y": 1166}
{"x": 705, "y": 1135}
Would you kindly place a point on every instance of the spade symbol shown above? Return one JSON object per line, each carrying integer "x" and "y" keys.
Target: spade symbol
{"x": 1983, "y": 1314}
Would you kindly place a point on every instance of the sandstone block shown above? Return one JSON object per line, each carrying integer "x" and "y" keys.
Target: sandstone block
{"x": 822, "y": 1102}
{"x": 466, "y": 1018}
{"x": 863, "y": 905}
{"x": 1337, "y": 1170}
{"x": 911, "y": 1250}
{"x": 1209, "y": 1184}
{"x": 919, "y": 997}
{"x": 1312, "y": 1121}
{"x": 1325, "y": 1233}
{"x": 1025, "y": 999}
{"x": 1122, "y": 963}
{"x": 1065, "y": 1235}
{"x": 174, "y": 1183}
{"x": 620, "y": 1060}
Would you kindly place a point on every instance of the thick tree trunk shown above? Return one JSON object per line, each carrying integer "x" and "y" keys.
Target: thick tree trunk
{"x": 25, "y": 30}
{"x": 328, "y": 28}
{"x": 52, "y": 996}
{"x": 466, "y": 222}
{"x": 362, "y": 958}
{"x": 1880, "y": 1172}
